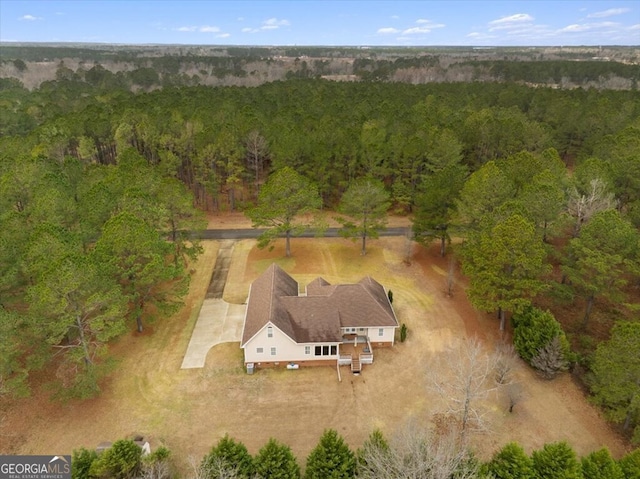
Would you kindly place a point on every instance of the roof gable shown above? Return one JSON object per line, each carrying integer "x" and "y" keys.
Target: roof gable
{"x": 264, "y": 302}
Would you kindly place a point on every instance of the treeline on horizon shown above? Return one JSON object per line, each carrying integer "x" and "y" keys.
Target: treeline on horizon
{"x": 164, "y": 66}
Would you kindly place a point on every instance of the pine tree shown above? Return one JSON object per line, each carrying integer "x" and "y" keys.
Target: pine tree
{"x": 228, "y": 455}
{"x": 276, "y": 461}
{"x": 616, "y": 374}
{"x": 511, "y": 462}
{"x": 630, "y": 464}
{"x": 556, "y": 460}
{"x": 331, "y": 458}
{"x": 600, "y": 465}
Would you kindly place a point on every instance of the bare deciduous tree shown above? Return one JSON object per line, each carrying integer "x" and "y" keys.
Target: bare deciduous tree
{"x": 155, "y": 470}
{"x": 514, "y": 394}
{"x": 417, "y": 453}
{"x": 583, "y": 207}
{"x": 216, "y": 469}
{"x": 408, "y": 246}
{"x": 506, "y": 361}
{"x": 451, "y": 276}
{"x": 257, "y": 152}
{"x": 466, "y": 380}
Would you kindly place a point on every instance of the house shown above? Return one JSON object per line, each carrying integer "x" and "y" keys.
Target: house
{"x": 327, "y": 325}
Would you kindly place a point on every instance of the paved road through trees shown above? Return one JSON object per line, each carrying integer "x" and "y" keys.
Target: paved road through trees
{"x": 248, "y": 233}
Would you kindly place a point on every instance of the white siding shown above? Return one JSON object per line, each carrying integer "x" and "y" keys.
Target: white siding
{"x": 286, "y": 349}
{"x": 388, "y": 334}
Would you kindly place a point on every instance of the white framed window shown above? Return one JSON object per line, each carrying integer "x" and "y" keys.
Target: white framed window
{"x": 381, "y": 332}
{"x": 259, "y": 350}
{"x": 328, "y": 350}
{"x": 361, "y": 330}
{"x": 269, "y": 332}
{"x": 307, "y": 350}
{"x": 273, "y": 351}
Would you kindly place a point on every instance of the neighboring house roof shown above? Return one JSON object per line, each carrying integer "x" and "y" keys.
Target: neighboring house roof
{"x": 318, "y": 316}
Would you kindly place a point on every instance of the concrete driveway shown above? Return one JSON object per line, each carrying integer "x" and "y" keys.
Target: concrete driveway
{"x": 218, "y": 322}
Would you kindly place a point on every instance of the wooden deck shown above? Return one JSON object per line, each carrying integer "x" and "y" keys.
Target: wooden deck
{"x": 360, "y": 354}
{"x": 346, "y": 349}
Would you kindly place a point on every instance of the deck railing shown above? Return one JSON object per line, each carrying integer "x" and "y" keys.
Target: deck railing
{"x": 366, "y": 358}
{"x": 344, "y": 360}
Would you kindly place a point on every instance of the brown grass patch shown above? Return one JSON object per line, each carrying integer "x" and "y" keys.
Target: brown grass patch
{"x": 189, "y": 410}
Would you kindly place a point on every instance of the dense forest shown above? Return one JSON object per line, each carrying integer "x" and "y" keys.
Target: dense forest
{"x": 102, "y": 188}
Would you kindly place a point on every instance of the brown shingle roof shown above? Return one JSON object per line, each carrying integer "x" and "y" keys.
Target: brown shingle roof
{"x": 318, "y": 316}
{"x": 265, "y": 305}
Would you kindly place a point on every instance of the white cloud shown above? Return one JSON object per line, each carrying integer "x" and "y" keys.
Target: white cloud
{"x": 395, "y": 17}
{"x": 574, "y": 28}
{"x": 429, "y": 23}
{"x": 511, "y": 19}
{"x": 584, "y": 27}
{"x": 29, "y": 18}
{"x": 195, "y": 28}
{"x": 480, "y": 36}
{"x": 273, "y": 23}
{"x": 387, "y": 30}
{"x": 424, "y": 29}
{"x": 522, "y": 28}
{"x": 415, "y": 30}
{"x": 270, "y": 24}
{"x": 223, "y": 35}
{"x": 609, "y": 13}
{"x": 209, "y": 29}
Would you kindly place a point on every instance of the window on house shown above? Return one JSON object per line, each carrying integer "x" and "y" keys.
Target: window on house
{"x": 361, "y": 330}
{"x": 307, "y": 350}
{"x": 259, "y": 350}
{"x": 269, "y": 332}
{"x": 324, "y": 350}
{"x": 381, "y": 332}
{"x": 273, "y": 351}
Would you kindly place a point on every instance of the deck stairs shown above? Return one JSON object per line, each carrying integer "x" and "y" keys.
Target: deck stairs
{"x": 356, "y": 367}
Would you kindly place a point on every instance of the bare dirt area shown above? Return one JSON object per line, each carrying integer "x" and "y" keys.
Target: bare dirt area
{"x": 189, "y": 410}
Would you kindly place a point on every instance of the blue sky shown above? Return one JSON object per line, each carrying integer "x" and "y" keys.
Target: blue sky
{"x": 328, "y": 22}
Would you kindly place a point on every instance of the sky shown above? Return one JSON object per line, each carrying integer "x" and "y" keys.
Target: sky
{"x": 324, "y": 22}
